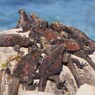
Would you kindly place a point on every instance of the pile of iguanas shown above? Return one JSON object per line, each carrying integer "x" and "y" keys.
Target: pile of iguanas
{"x": 56, "y": 41}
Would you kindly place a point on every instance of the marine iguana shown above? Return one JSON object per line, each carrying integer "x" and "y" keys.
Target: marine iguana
{"x": 24, "y": 21}
{"x": 14, "y": 39}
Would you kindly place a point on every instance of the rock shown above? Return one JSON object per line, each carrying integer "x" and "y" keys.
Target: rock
{"x": 70, "y": 81}
{"x": 14, "y": 31}
{"x": 8, "y": 85}
{"x": 24, "y": 92}
{"x": 35, "y": 93}
{"x": 86, "y": 75}
{"x": 7, "y": 54}
{"x": 86, "y": 89}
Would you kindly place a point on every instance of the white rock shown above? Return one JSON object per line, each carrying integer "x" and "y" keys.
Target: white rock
{"x": 14, "y": 31}
{"x": 86, "y": 89}
{"x": 24, "y": 92}
{"x": 35, "y": 93}
{"x": 6, "y": 53}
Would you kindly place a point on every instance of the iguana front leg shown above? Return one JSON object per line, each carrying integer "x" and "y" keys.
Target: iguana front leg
{"x": 17, "y": 24}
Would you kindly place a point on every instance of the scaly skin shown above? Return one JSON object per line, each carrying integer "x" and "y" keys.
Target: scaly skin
{"x": 24, "y": 21}
{"x": 47, "y": 32}
{"x": 70, "y": 44}
{"x": 14, "y": 39}
{"x": 37, "y": 22}
{"x": 74, "y": 33}
{"x": 79, "y": 36}
{"x": 72, "y": 68}
{"x": 27, "y": 66}
{"x": 52, "y": 65}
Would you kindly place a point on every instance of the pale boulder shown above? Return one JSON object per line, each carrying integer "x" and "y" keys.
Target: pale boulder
{"x": 24, "y": 92}
{"x": 35, "y": 93}
{"x": 86, "y": 89}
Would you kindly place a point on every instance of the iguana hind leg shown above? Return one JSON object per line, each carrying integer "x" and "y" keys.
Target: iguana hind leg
{"x": 74, "y": 72}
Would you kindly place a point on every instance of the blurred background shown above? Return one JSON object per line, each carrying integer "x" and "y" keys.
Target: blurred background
{"x": 77, "y": 13}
